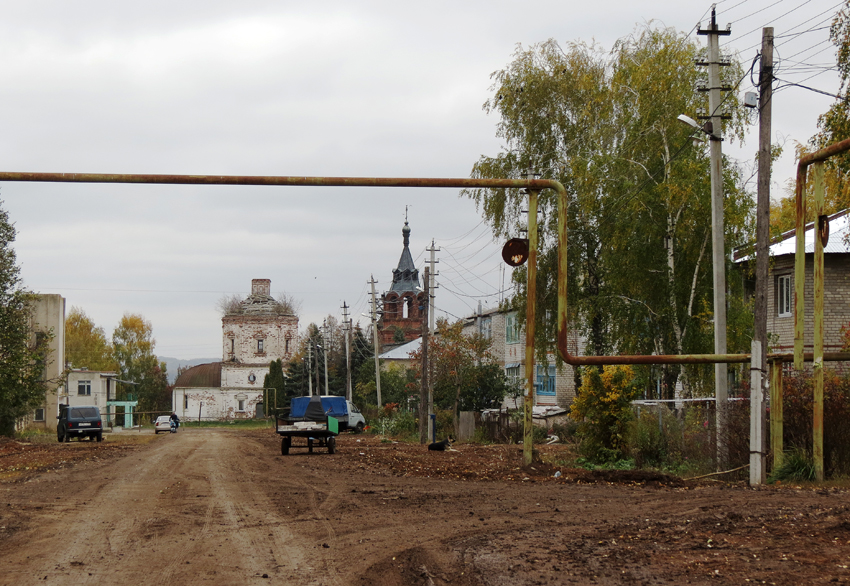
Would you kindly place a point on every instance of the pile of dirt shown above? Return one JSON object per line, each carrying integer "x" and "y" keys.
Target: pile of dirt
{"x": 475, "y": 462}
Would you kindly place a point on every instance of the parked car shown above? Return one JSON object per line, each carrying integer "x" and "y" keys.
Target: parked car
{"x": 79, "y": 421}
{"x": 346, "y": 412}
{"x": 162, "y": 423}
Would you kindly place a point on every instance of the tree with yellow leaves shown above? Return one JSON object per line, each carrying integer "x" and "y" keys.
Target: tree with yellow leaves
{"x": 603, "y": 409}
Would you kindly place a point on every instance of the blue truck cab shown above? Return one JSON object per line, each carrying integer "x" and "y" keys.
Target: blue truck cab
{"x": 346, "y": 412}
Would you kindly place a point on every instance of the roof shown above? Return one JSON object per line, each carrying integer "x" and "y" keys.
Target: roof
{"x": 203, "y": 375}
{"x": 786, "y": 243}
{"x": 406, "y": 275}
{"x": 402, "y": 352}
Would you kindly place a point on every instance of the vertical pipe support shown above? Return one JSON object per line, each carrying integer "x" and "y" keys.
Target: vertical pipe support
{"x": 531, "y": 303}
{"x": 817, "y": 358}
{"x": 776, "y": 416}
{"x": 800, "y": 268}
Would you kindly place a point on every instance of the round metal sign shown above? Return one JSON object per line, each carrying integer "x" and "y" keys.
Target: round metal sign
{"x": 515, "y": 251}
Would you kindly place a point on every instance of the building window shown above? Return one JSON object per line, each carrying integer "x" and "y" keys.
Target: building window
{"x": 185, "y": 401}
{"x": 288, "y": 339}
{"x": 784, "y": 296}
{"x": 241, "y": 405}
{"x": 513, "y": 375}
{"x": 545, "y": 379}
{"x": 511, "y": 329}
{"x": 232, "y": 345}
{"x": 487, "y": 328}
{"x": 39, "y": 415}
{"x": 259, "y": 346}
{"x": 84, "y": 387}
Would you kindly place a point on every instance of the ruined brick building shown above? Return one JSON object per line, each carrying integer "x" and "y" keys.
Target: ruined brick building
{"x": 254, "y": 332}
{"x": 404, "y": 303}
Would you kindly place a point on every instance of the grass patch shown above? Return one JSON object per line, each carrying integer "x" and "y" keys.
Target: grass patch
{"x": 796, "y": 467}
{"x": 37, "y": 436}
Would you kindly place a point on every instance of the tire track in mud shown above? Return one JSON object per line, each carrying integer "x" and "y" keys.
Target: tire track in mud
{"x": 264, "y": 540}
{"x": 183, "y": 509}
{"x": 82, "y": 541}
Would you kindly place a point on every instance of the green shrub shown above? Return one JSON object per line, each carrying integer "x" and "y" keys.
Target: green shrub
{"x": 538, "y": 434}
{"x": 603, "y": 409}
{"x": 565, "y": 431}
{"x": 647, "y": 441}
{"x": 796, "y": 465}
{"x": 798, "y": 398}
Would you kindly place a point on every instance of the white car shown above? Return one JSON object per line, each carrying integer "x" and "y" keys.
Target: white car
{"x": 162, "y": 423}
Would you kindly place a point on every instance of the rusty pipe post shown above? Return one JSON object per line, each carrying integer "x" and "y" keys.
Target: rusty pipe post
{"x": 530, "y": 306}
{"x": 817, "y": 362}
{"x": 800, "y": 268}
{"x": 776, "y": 415}
{"x": 800, "y": 253}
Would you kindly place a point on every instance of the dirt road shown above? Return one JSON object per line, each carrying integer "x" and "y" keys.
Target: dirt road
{"x": 224, "y": 507}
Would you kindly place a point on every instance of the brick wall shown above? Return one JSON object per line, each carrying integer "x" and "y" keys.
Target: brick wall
{"x": 836, "y": 302}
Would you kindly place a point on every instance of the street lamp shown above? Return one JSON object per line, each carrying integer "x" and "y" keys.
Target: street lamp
{"x": 707, "y": 128}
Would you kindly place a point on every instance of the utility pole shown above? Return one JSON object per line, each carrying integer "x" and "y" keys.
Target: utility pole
{"x": 718, "y": 247}
{"x": 431, "y": 277}
{"x": 347, "y": 328}
{"x": 758, "y": 386}
{"x": 310, "y": 368}
{"x": 376, "y": 340}
{"x": 424, "y": 412}
{"x": 432, "y": 286}
{"x": 325, "y": 352}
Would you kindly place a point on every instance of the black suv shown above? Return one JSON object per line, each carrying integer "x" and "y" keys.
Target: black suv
{"x": 79, "y": 421}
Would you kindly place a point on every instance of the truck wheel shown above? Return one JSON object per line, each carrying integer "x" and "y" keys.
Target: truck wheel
{"x": 310, "y": 445}
{"x": 100, "y": 437}
{"x": 359, "y": 427}
{"x": 331, "y": 445}
{"x": 285, "y": 444}
{"x": 67, "y": 437}
{"x": 59, "y": 437}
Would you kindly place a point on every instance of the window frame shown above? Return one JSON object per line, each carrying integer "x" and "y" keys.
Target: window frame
{"x": 84, "y": 384}
{"x": 545, "y": 377}
{"x": 785, "y": 295}
{"x": 487, "y": 328}
{"x": 511, "y": 329}
{"x": 514, "y": 375}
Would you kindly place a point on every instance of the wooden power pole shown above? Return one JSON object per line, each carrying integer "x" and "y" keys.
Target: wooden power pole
{"x": 759, "y": 372}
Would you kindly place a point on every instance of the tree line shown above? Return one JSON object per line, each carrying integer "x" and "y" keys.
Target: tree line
{"x": 129, "y": 353}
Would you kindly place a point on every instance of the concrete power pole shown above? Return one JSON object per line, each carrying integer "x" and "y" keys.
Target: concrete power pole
{"x": 432, "y": 287}
{"x": 424, "y": 412}
{"x": 347, "y": 328}
{"x": 325, "y": 352}
{"x": 310, "y": 369}
{"x": 718, "y": 246}
{"x": 377, "y": 340}
{"x": 758, "y": 387}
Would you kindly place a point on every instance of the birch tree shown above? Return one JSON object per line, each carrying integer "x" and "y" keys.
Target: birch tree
{"x": 605, "y": 126}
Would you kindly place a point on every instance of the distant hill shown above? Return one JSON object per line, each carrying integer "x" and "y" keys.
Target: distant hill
{"x": 172, "y": 364}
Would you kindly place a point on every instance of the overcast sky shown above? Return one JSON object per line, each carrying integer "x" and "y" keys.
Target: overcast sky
{"x": 349, "y": 88}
